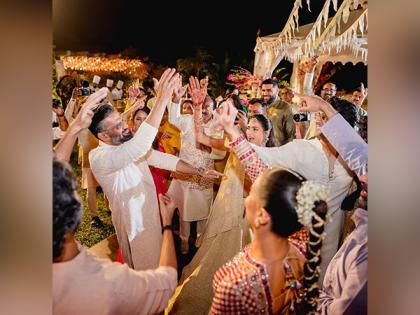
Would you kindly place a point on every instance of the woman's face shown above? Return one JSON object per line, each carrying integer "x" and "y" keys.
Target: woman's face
{"x": 187, "y": 108}
{"x": 138, "y": 120}
{"x": 255, "y": 132}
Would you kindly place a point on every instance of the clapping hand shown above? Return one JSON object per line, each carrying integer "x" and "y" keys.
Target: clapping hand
{"x": 179, "y": 91}
{"x": 227, "y": 116}
{"x": 166, "y": 85}
{"x": 198, "y": 90}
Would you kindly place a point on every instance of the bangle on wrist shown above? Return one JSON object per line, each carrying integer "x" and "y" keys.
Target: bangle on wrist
{"x": 167, "y": 227}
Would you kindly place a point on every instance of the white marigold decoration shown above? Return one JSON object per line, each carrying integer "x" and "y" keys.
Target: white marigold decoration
{"x": 308, "y": 194}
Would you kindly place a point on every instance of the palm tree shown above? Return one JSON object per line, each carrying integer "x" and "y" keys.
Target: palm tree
{"x": 217, "y": 73}
{"x": 194, "y": 65}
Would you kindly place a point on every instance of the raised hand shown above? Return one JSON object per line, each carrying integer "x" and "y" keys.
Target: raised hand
{"x": 227, "y": 116}
{"x": 309, "y": 65}
{"x": 155, "y": 85}
{"x": 58, "y": 110}
{"x": 313, "y": 104}
{"x": 167, "y": 209}
{"x": 84, "y": 117}
{"x": 363, "y": 90}
{"x": 76, "y": 93}
{"x": 133, "y": 92}
{"x": 166, "y": 85}
{"x": 242, "y": 120}
{"x": 139, "y": 104}
{"x": 197, "y": 90}
{"x": 179, "y": 91}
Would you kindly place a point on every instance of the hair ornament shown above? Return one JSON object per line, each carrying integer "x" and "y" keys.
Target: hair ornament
{"x": 307, "y": 195}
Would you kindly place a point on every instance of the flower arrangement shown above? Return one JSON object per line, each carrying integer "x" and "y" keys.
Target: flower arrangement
{"x": 242, "y": 78}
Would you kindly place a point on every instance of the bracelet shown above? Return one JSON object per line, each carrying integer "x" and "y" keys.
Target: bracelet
{"x": 167, "y": 227}
{"x": 237, "y": 141}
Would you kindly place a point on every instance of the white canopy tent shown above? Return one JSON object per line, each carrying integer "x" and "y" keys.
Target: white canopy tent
{"x": 342, "y": 38}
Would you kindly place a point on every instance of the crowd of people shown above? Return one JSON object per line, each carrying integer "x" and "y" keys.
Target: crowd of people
{"x": 266, "y": 182}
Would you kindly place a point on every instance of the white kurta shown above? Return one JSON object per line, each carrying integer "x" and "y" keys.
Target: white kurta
{"x": 90, "y": 285}
{"x": 124, "y": 174}
{"x": 308, "y": 159}
{"x": 193, "y": 201}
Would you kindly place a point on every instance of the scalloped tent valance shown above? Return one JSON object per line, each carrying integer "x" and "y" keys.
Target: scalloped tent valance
{"x": 341, "y": 38}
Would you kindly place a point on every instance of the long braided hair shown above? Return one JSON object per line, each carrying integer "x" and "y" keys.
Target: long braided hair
{"x": 289, "y": 192}
{"x": 313, "y": 258}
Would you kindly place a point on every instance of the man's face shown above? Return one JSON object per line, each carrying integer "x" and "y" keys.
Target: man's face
{"x": 328, "y": 91}
{"x": 286, "y": 95}
{"x": 254, "y": 109}
{"x": 207, "y": 110}
{"x": 356, "y": 97}
{"x": 269, "y": 92}
{"x": 117, "y": 131}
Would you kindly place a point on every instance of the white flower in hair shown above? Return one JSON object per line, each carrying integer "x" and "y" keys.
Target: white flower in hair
{"x": 308, "y": 194}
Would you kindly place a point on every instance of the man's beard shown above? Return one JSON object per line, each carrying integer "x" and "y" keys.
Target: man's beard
{"x": 127, "y": 136}
{"x": 271, "y": 100}
{"x": 327, "y": 97}
{"x": 122, "y": 138}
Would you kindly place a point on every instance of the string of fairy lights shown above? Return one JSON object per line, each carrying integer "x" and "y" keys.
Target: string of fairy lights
{"x": 130, "y": 67}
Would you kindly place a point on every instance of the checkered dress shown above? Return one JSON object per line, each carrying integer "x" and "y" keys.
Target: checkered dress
{"x": 241, "y": 287}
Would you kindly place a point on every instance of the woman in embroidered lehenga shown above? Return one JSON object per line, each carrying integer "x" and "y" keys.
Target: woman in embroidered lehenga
{"x": 226, "y": 232}
{"x": 271, "y": 275}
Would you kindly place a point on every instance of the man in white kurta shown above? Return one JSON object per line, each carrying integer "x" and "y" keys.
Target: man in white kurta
{"x": 308, "y": 158}
{"x": 193, "y": 196}
{"x": 124, "y": 174}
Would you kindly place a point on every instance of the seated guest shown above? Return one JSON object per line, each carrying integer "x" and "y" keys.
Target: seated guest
{"x": 270, "y": 276}
{"x": 85, "y": 284}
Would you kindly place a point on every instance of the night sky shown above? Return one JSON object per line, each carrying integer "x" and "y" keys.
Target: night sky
{"x": 166, "y": 31}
